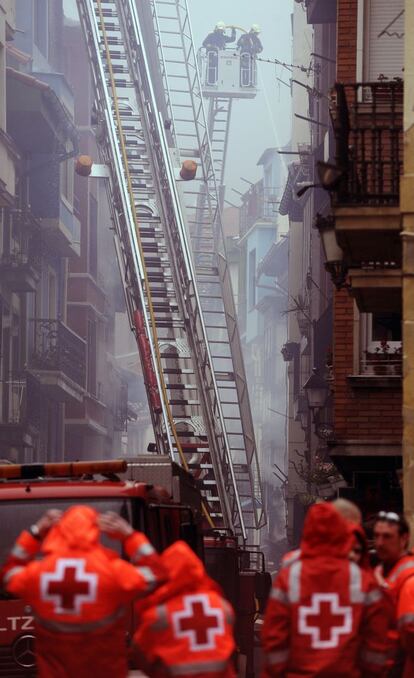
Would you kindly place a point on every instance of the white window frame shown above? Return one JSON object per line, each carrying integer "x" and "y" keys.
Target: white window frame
{"x": 367, "y": 343}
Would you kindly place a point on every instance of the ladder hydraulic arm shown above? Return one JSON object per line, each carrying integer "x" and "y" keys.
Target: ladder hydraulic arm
{"x": 155, "y": 260}
{"x": 194, "y": 401}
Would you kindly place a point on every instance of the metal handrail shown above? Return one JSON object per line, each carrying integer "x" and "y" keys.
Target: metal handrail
{"x": 367, "y": 120}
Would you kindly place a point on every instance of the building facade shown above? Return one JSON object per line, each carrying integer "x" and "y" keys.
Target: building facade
{"x": 43, "y": 361}
{"x": 96, "y": 426}
{"x": 262, "y": 301}
{"x": 342, "y": 198}
{"x": 364, "y": 186}
{"x": 308, "y": 350}
{"x": 62, "y": 394}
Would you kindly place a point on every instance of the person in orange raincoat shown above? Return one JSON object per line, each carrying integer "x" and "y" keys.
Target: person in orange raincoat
{"x": 185, "y": 628}
{"x": 405, "y": 622}
{"x": 326, "y": 616}
{"x": 79, "y": 591}
{"x": 396, "y": 576}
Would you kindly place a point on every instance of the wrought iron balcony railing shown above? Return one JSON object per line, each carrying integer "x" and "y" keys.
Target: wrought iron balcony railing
{"x": 368, "y": 126}
{"x": 57, "y": 348}
{"x": 22, "y": 246}
{"x": 121, "y": 408}
{"x": 260, "y": 204}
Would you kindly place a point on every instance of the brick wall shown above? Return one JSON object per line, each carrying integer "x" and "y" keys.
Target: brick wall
{"x": 347, "y": 40}
{"x": 359, "y": 413}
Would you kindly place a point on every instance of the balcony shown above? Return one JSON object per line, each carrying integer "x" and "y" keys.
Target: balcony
{"x": 20, "y": 260}
{"x": 20, "y": 411}
{"x": 62, "y": 229}
{"x": 89, "y": 417}
{"x": 58, "y": 360}
{"x": 368, "y": 126}
{"x": 379, "y": 367}
{"x": 39, "y": 111}
{"x": 120, "y": 408}
{"x": 377, "y": 289}
{"x": 260, "y": 205}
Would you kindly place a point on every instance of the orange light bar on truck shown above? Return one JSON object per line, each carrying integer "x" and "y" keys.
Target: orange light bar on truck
{"x": 61, "y": 469}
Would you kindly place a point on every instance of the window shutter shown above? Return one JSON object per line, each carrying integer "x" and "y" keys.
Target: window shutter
{"x": 384, "y": 55}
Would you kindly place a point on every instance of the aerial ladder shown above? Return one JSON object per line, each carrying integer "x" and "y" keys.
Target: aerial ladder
{"x": 186, "y": 385}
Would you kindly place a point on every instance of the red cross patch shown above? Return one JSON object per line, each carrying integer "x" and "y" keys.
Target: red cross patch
{"x": 69, "y": 586}
{"x": 324, "y": 620}
{"x": 198, "y": 622}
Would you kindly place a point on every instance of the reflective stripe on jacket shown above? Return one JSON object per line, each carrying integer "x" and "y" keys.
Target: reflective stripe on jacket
{"x": 325, "y": 616}
{"x": 186, "y": 626}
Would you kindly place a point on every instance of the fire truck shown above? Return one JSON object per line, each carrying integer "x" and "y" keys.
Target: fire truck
{"x": 158, "y": 498}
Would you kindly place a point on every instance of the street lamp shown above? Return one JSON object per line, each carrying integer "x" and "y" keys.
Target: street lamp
{"x": 334, "y": 256}
{"x": 316, "y": 390}
{"x": 301, "y": 411}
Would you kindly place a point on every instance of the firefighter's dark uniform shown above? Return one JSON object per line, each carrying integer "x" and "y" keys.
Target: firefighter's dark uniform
{"x": 218, "y": 39}
{"x": 249, "y": 43}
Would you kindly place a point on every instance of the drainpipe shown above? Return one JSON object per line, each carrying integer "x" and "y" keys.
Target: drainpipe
{"x": 407, "y": 211}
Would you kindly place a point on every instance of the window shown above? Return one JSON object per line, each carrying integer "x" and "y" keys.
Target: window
{"x": 66, "y": 179}
{"x": 40, "y": 25}
{"x": 383, "y": 55}
{"x": 381, "y": 336}
{"x": 252, "y": 279}
{"x": 386, "y": 327}
{"x": 52, "y": 297}
{"x": 93, "y": 237}
{"x": 91, "y": 383}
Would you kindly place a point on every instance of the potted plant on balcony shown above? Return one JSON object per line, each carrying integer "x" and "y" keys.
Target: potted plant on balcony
{"x": 385, "y": 361}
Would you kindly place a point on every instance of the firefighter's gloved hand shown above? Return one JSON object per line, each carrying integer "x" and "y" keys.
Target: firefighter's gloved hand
{"x": 47, "y": 521}
{"x": 114, "y": 526}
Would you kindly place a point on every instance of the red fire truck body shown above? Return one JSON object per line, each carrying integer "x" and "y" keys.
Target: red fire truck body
{"x": 148, "y": 509}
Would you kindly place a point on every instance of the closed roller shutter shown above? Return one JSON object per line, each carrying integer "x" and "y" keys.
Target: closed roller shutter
{"x": 384, "y": 55}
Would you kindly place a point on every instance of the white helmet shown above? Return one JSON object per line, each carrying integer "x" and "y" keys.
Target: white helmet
{"x": 255, "y": 28}
{"x": 220, "y": 26}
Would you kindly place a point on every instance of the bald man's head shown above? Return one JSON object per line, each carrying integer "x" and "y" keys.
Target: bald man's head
{"x": 348, "y": 510}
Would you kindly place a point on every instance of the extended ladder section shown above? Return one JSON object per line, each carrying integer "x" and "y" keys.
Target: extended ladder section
{"x": 219, "y": 117}
{"x": 156, "y": 264}
{"x": 201, "y": 201}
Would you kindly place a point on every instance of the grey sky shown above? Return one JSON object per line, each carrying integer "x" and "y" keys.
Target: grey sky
{"x": 264, "y": 121}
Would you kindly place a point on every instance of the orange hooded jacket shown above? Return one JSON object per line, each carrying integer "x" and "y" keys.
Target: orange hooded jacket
{"x": 325, "y": 616}
{"x": 400, "y": 590}
{"x": 79, "y": 593}
{"x": 185, "y": 627}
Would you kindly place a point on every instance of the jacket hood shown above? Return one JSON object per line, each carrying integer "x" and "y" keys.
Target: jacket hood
{"x": 325, "y": 532}
{"x": 186, "y": 574}
{"x": 77, "y": 530}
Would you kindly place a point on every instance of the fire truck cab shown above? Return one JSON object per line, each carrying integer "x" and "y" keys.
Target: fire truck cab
{"x": 164, "y": 503}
